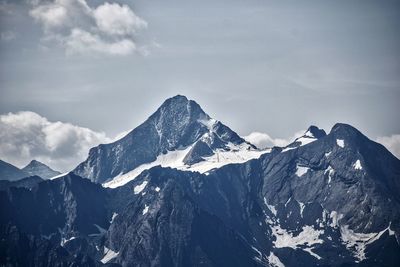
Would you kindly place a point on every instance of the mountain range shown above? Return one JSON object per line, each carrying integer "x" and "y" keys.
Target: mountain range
{"x": 34, "y": 168}
{"x": 183, "y": 189}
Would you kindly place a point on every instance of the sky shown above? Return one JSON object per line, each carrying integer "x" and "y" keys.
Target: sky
{"x": 76, "y": 73}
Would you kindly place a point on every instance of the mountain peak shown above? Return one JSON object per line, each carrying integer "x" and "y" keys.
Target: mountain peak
{"x": 176, "y": 127}
{"x": 178, "y": 97}
{"x": 181, "y": 108}
{"x": 38, "y": 168}
{"x": 312, "y": 134}
{"x": 35, "y": 162}
{"x": 344, "y": 128}
{"x": 315, "y": 132}
{"x": 347, "y": 132}
{"x": 176, "y": 101}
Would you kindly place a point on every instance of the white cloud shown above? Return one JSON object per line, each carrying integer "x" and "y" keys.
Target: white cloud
{"x": 109, "y": 28}
{"x": 50, "y": 16}
{"x": 27, "y": 135}
{"x": 114, "y": 19}
{"x": 81, "y": 41}
{"x": 392, "y": 143}
{"x": 263, "y": 140}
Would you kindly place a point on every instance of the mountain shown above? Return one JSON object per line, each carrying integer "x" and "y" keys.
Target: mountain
{"x": 327, "y": 199}
{"x": 28, "y": 182}
{"x": 10, "y": 172}
{"x": 36, "y": 223}
{"x": 179, "y": 134}
{"x": 37, "y": 168}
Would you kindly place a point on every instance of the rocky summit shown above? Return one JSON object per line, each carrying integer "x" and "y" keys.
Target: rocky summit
{"x": 40, "y": 169}
{"x": 183, "y": 189}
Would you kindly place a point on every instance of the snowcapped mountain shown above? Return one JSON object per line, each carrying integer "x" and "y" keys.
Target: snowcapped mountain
{"x": 37, "y": 168}
{"x": 179, "y": 134}
{"x": 324, "y": 200}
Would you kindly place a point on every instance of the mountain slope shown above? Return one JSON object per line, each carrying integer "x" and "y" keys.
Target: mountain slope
{"x": 179, "y": 132}
{"x": 299, "y": 207}
{"x": 323, "y": 200}
{"x": 327, "y": 198}
{"x": 37, "y": 168}
{"x": 28, "y": 182}
{"x": 10, "y": 172}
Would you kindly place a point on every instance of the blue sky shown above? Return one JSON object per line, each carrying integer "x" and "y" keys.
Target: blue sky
{"x": 274, "y": 67}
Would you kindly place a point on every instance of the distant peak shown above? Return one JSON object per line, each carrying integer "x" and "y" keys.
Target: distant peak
{"x": 35, "y": 162}
{"x": 315, "y": 132}
{"x": 36, "y": 167}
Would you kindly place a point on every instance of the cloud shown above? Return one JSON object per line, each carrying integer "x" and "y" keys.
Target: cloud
{"x": 27, "y": 135}
{"x": 50, "y": 16}
{"x": 263, "y": 140}
{"x": 392, "y": 143}
{"x": 114, "y": 19}
{"x": 81, "y": 41}
{"x": 109, "y": 28}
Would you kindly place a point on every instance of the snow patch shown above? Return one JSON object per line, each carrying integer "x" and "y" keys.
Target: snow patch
{"x": 391, "y": 232}
{"x": 209, "y": 123}
{"x": 236, "y": 154}
{"x": 64, "y": 240}
{"x": 270, "y": 207}
{"x": 327, "y": 154}
{"x": 139, "y": 188}
{"x": 335, "y": 216}
{"x": 357, "y": 242}
{"x": 174, "y": 159}
{"x": 288, "y": 148}
{"x": 330, "y": 172}
{"x": 274, "y": 261}
{"x": 307, "y": 237}
{"x": 157, "y": 189}
{"x": 58, "y": 176}
{"x": 305, "y": 140}
{"x": 357, "y": 165}
{"x": 340, "y": 142}
{"x": 145, "y": 210}
{"x": 113, "y": 217}
{"x": 171, "y": 159}
{"x": 260, "y": 255}
{"x": 302, "y": 206}
{"x": 309, "y": 134}
{"x": 109, "y": 255}
{"x": 301, "y": 170}
{"x": 312, "y": 253}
